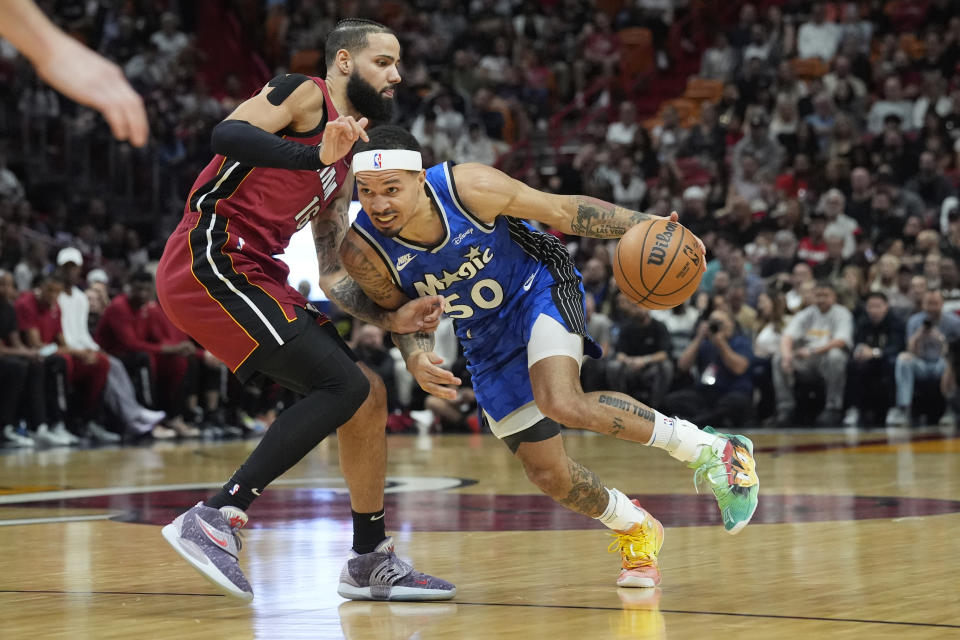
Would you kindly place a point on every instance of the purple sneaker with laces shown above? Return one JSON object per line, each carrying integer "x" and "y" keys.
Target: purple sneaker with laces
{"x": 209, "y": 539}
{"x": 381, "y": 575}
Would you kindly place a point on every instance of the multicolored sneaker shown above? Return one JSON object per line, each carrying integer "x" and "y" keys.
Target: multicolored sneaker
{"x": 381, "y": 575}
{"x": 638, "y": 547}
{"x": 732, "y": 475}
{"x": 209, "y": 539}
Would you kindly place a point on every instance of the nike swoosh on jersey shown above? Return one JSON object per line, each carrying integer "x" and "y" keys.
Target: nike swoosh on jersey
{"x": 404, "y": 260}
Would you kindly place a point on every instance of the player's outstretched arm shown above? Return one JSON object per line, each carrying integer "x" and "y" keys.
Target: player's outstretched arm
{"x": 291, "y": 100}
{"x": 488, "y": 192}
{"x": 74, "y": 70}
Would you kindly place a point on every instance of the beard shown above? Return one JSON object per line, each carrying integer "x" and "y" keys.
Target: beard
{"x": 368, "y": 101}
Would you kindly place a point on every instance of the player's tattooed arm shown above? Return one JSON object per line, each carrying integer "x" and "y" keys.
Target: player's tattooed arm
{"x": 329, "y": 231}
{"x": 411, "y": 343}
{"x": 596, "y": 218}
{"x": 487, "y": 193}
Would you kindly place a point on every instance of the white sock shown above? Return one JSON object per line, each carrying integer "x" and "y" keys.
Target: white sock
{"x": 620, "y": 514}
{"x": 680, "y": 438}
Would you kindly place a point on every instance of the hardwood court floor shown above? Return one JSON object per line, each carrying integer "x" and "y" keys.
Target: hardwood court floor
{"x": 855, "y": 537}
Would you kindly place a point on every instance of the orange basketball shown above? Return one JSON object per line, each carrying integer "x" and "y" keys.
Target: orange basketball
{"x": 658, "y": 264}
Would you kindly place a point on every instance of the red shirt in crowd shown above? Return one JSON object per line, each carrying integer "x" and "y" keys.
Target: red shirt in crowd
{"x": 34, "y": 314}
{"x": 813, "y": 253}
{"x": 123, "y": 329}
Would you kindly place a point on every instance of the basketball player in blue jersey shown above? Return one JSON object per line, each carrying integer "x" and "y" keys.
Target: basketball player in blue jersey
{"x": 517, "y": 302}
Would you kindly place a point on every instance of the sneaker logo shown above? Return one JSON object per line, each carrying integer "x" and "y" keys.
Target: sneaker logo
{"x": 377, "y": 517}
{"x": 743, "y": 468}
{"x": 404, "y": 260}
{"x": 212, "y": 534}
{"x": 421, "y": 581}
{"x": 237, "y": 522}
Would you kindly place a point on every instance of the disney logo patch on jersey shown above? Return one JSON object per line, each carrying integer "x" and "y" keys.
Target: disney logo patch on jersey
{"x": 474, "y": 263}
{"x": 463, "y": 235}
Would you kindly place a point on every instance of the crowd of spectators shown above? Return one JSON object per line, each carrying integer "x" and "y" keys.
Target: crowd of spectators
{"x": 822, "y": 177}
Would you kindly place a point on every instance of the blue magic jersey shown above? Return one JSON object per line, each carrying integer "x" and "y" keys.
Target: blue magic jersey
{"x": 496, "y": 279}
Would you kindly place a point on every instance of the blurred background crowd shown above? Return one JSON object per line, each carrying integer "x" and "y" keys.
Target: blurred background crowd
{"x": 813, "y": 146}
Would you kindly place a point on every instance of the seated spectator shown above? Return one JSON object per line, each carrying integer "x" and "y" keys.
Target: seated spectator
{"x": 475, "y": 146}
{"x": 624, "y": 129}
{"x": 641, "y": 367}
{"x": 768, "y": 329}
{"x": 818, "y": 38}
{"x": 833, "y": 204}
{"x": 800, "y": 277}
{"x": 742, "y": 313}
{"x": 130, "y": 331}
{"x": 815, "y": 342}
{"x": 680, "y": 321}
{"x": 723, "y": 393}
{"x": 758, "y": 144}
{"x": 893, "y": 103}
{"x": 370, "y": 348}
{"x": 929, "y": 336}
{"x": 38, "y": 317}
{"x": 783, "y": 256}
{"x": 930, "y": 184}
{"x": 842, "y": 72}
{"x": 629, "y": 188}
{"x": 428, "y": 134}
{"x": 831, "y": 269}
{"x": 861, "y": 193}
{"x": 719, "y": 60}
{"x": 119, "y": 394}
{"x": 15, "y": 369}
{"x": 878, "y": 339}
{"x": 706, "y": 139}
{"x": 813, "y": 248}
{"x": 950, "y": 285}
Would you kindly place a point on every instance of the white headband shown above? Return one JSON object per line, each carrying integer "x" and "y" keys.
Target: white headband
{"x": 386, "y": 159}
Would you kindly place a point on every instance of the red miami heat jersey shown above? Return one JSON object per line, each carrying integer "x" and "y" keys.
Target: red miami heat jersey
{"x": 267, "y": 206}
{"x": 218, "y": 280}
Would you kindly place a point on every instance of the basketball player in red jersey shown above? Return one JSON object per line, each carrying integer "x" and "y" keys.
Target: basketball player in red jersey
{"x": 283, "y": 161}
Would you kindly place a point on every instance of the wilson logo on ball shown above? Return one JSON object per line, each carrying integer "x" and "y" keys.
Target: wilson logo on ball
{"x": 658, "y": 252}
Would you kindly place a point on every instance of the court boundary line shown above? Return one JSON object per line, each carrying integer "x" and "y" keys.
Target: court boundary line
{"x": 773, "y": 616}
{"x": 64, "y": 592}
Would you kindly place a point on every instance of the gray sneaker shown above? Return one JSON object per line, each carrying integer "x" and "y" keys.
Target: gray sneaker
{"x": 209, "y": 539}
{"x": 381, "y": 575}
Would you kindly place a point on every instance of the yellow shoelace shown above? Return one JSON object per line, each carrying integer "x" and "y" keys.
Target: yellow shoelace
{"x": 633, "y": 547}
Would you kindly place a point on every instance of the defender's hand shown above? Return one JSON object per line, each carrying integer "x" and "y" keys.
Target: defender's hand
{"x": 339, "y": 137}
{"x": 421, "y": 314}
{"x": 432, "y": 378}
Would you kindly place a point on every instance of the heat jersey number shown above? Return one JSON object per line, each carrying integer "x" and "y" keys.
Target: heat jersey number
{"x": 485, "y": 294}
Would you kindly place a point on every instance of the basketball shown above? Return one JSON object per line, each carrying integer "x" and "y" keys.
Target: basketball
{"x": 658, "y": 264}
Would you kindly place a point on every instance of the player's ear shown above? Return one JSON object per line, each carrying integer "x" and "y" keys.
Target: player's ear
{"x": 422, "y": 177}
{"x": 344, "y": 61}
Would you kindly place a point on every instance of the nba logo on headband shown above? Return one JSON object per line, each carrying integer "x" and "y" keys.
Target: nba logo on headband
{"x": 377, "y": 161}
{"x": 387, "y": 159}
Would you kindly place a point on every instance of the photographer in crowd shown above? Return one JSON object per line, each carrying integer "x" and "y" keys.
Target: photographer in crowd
{"x": 723, "y": 393}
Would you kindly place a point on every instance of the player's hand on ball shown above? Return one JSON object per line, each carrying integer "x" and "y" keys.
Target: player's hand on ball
{"x": 675, "y": 217}
{"x": 339, "y": 137}
{"x": 422, "y": 314}
{"x": 432, "y": 378}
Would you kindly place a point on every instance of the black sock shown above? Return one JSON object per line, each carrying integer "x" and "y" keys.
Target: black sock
{"x": 234, "y": 494}
{"x": 369, "y": 530}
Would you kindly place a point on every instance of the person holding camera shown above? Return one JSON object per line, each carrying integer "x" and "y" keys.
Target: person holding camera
{"x": 816, "y": 342}
{"x": 723, "y": 394}
{"x": 929, "y": 335}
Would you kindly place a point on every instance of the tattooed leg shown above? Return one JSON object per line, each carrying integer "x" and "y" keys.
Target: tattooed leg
{"x": 556, "y": 387}
{"x": 565, "y": 480}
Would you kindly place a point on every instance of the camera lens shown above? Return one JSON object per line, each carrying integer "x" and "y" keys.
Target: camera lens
{"x": 714, "y": 326}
